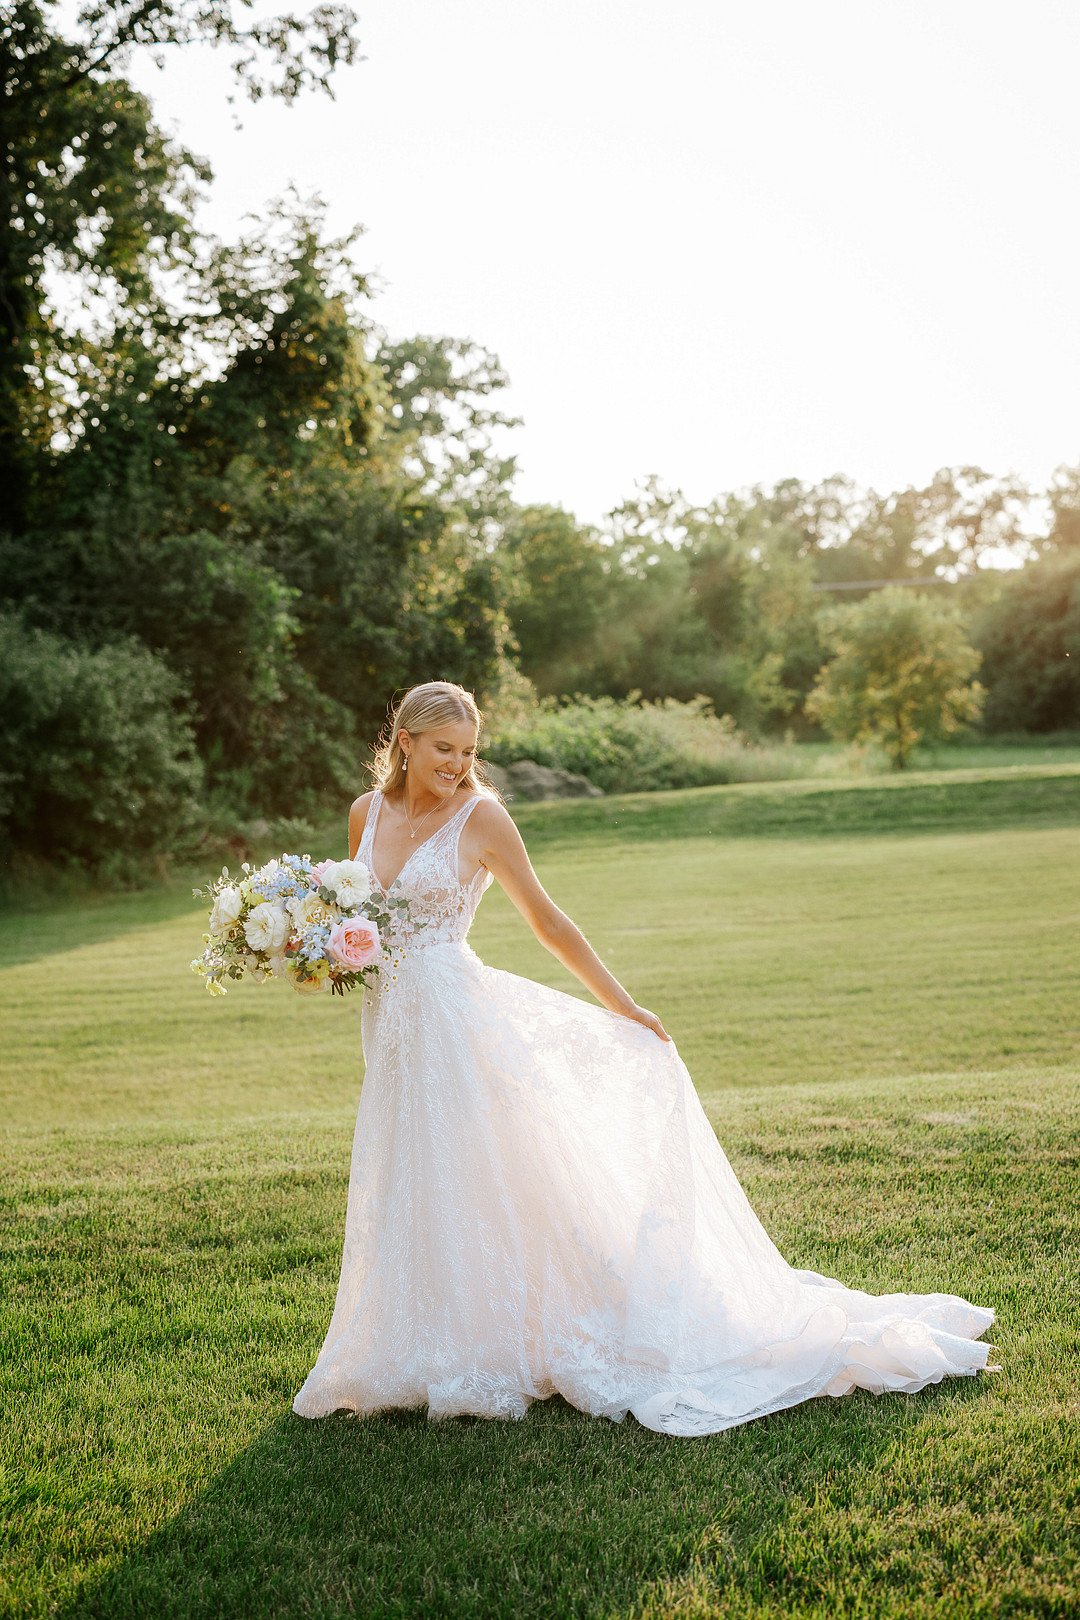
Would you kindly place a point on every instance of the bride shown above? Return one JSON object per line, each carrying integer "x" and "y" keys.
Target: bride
{"x": 537, "y": 1202}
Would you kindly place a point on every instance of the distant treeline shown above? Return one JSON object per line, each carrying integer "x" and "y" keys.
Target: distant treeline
{"x": 238, "y": 517}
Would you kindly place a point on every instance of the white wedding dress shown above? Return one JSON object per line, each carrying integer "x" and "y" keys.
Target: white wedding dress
{"x": 538, "y": 1204}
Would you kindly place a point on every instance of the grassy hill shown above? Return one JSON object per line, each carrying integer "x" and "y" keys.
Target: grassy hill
{"x": 874, "y": 988}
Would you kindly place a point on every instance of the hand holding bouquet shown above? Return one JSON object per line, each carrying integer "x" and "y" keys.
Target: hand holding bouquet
{"x": 315, "y": 925}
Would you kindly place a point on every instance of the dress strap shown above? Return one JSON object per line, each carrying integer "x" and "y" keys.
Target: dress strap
{"x": 468, "y": 807}
{"x": 453, "y": 824}
{"x": 462, "y": 813}
{"x": 367, "y": 837}
{"x": 456, "y": 822}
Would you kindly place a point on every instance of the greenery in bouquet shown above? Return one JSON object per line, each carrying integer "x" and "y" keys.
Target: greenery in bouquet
{"x": 318, "y": 925}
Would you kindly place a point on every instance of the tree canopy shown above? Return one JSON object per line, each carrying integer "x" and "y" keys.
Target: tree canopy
{"x": 899, "y": 673}
{"x": 240, "y": 510}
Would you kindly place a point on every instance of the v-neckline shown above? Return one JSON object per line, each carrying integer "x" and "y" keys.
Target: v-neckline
{"x": 385, "y": 888}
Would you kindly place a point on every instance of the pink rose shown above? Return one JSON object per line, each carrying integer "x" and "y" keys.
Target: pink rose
{"x": 319, "y": 872}
{"x": 354, "y": 942}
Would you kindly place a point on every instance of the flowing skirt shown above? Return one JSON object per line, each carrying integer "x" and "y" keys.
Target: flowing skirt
{"x": 538, "y": 1204}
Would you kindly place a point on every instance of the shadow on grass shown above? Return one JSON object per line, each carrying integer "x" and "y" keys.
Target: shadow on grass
{"x": 69, "y": 924}
{"x": 558, "y": 1515}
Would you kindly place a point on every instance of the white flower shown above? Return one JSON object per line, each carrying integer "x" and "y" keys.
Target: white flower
{"x": 267, "y": 928}
{"x": 350, "y": 881}
{"x": 308, "y": 909}
{"x": 227, "y": 907}
{"x": 267, "y": 873}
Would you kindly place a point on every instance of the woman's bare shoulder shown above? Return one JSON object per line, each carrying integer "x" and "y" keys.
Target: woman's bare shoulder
{"x": 494, "y": 824}
{"x": 490, "y": 811}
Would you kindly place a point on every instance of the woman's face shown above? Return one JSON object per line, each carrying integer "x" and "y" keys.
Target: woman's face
{"x": 438, "y": 759}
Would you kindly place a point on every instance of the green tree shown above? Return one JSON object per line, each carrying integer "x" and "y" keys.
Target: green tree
{"x": 754, "y": 563}
{"x": 965, "y": 514}
{"x": 221, "y": 620}
{"x": 1029, "y": 637}
{"x": 900, "y": 673}
{"x": 444, "y": 429}
{"x": 388, "y": 565}
{"x": 718, "y": 600}
{"x": 226, "y": 470}
{"x": 272, "y": 374}
{"x": 90, "y": 188}
{"x": 879, "y": 541}
{"x": 560, "y": 596}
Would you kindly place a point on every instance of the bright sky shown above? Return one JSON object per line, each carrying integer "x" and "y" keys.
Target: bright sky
{"x": 723, "y": 243}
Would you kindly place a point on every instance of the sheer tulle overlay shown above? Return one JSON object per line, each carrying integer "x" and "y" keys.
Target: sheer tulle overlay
{"x": 538, "y": 1204}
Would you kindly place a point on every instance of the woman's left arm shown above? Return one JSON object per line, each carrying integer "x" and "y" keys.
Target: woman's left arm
{"x": 503, "y": 852}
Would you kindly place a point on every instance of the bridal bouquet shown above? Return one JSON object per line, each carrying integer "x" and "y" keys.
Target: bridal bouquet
{"x": 314, "y": 925}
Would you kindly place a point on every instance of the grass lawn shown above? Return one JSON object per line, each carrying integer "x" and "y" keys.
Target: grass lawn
{"x": 875, "y": 988}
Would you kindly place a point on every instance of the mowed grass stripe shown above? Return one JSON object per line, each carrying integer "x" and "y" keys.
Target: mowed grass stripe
{"x": 883, "y": 1031}
{"x": 770, "y": 962}
{"x": 911, "y": 802}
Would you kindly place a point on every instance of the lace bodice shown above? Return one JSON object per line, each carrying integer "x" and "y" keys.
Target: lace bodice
{"x": 441, "y": 907}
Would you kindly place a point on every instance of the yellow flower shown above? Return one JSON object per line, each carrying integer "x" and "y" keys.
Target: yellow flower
{"x": 308, "y": 977}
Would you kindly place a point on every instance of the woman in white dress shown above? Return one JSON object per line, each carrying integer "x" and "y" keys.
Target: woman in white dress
{"x": 537, "y": 1201}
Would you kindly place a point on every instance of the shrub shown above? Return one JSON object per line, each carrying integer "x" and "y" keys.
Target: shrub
{"x": 622, "y": 744}
{"x": 97, "y": 760}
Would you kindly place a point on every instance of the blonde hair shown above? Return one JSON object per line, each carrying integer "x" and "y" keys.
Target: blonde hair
{"x": 431, "y": 704}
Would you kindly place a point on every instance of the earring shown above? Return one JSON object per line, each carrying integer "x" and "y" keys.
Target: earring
{"x": 404, "y": 764}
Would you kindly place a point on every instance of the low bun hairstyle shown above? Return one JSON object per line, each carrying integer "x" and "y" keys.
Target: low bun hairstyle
{"x": 423, "y": 707}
